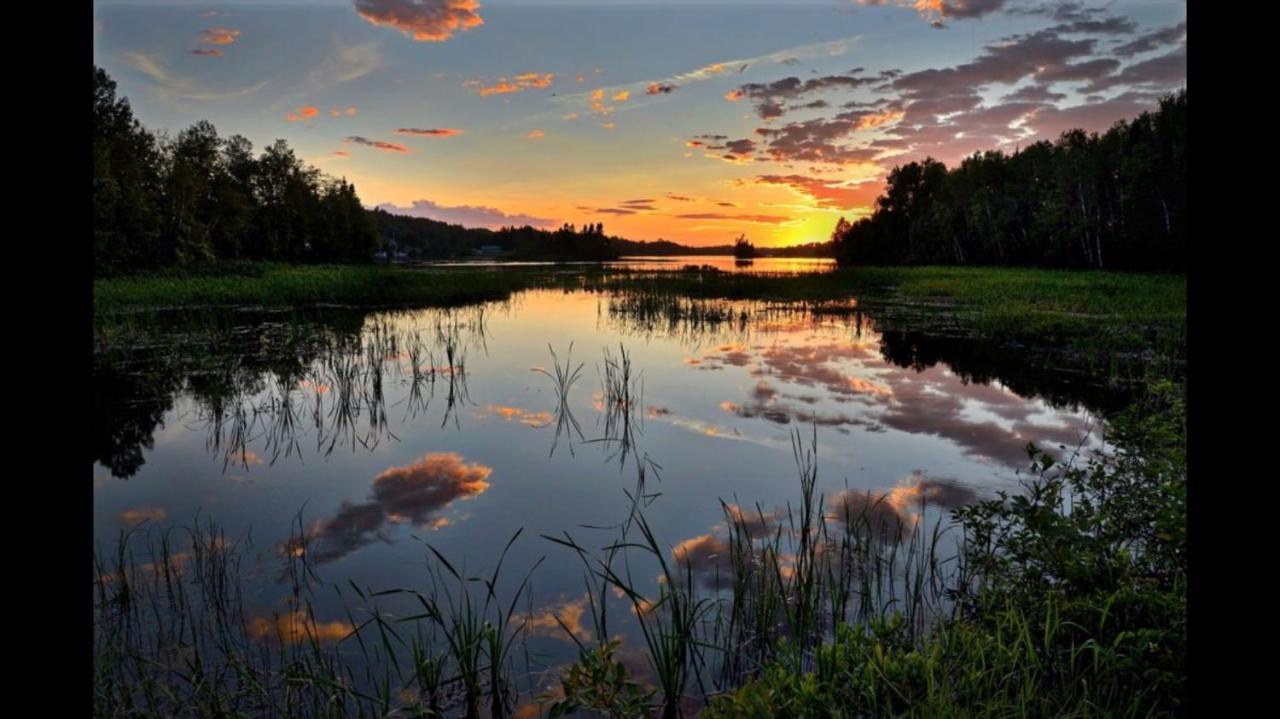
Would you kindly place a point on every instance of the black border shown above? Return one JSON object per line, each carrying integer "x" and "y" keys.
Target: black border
{"x": 52, "y": 271}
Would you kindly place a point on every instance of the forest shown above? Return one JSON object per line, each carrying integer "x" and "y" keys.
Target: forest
{"x": 1115, "y": 201}
{"x": 160, "y": 201}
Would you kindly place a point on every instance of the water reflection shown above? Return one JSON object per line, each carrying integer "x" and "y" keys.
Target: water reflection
{"x": 257, "y": 382}
{"x": 417, "y": 494}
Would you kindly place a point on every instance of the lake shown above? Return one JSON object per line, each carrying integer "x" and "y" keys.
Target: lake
{"x": 366, "y": 435}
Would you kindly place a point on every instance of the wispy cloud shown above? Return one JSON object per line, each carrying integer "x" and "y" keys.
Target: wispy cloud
{"x": 664, "y": 86}
{"x": 519, "y": 83}
{"x": 169, "y": 85}
{"x": 379, "y": 144}
{"x": 344, "y": 64}
{"x": 432, "y": 132}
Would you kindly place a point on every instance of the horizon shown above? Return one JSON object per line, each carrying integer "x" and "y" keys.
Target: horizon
{"x": 691, "y": 122}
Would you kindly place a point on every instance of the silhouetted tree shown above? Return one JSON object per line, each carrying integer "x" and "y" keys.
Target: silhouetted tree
{"x": 200, "y": 198}
{"x": 1111, "y": 201}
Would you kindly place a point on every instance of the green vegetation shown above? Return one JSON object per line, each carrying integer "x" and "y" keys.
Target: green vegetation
{"x": 1050, "y": 303}
{"x": 302, "y": 286}
{"x": 1126, "y": 312}
{"x": 1072, "y": 601}
{"x": 1111, "y": 201}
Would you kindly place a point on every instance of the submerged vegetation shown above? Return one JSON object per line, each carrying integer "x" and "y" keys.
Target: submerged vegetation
{"x": 1064, "y": 599}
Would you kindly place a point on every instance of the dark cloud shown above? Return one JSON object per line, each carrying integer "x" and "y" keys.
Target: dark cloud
{"x": 816, "y": 141}
{"x": 1153, "y": 40}
{"x": 1165, "y": 71}
{"x": 764, "y": 219}
{"x": 1087, "y": 70}
{"x": 432, "y": 132}
{"x": 416, "y": 493}
{"x": 770, "y": 98}
{"x": 384, "y": 146}
{"x": 1022, "y": 56}
{"x": 1034, "y": 93}
{"x": 1107, "y": 26}
{"x": 934, "y": 11}
{"x": 207, "y": 52}
{"x": 423, "y": 20}
{"x": 467, "y": 215}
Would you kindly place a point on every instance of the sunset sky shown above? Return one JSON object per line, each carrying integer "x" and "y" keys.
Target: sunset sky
{"x": 687, "y": 120}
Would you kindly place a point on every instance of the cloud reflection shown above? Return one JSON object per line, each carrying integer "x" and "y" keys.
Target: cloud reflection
{"x": 416, "y": 493}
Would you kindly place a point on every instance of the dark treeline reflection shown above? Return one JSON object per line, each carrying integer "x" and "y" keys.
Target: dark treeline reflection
{"x": 260, "y": 385}
{"x": 1099, "y": 382}
{"x": 1112, "y": 201}
{"x": 264, "y": 386}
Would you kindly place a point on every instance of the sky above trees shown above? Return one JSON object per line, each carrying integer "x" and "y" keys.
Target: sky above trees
{"x": 692, "y": 121}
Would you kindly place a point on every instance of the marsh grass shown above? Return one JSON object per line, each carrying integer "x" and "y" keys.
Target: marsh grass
{"x": 1092, "y": 311}
{"x": 564, "y": 377}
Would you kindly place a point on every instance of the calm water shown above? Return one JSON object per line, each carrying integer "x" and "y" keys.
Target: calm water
{"x": 726, "y": 263}
{"x": 262, "y": 418}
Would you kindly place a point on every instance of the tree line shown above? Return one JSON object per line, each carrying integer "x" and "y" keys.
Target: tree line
{"x": 424, "y": 238}
{"x": 1112, "y": 201}
{"x": 180, "y": 202}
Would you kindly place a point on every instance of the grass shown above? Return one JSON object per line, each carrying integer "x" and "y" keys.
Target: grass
{"x": 1013, "y": 300}
{"x": 298, "y": 286}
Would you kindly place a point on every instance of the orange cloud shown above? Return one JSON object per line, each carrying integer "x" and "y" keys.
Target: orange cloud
{"x": 536, "y": 135}
{"x": 571, "y": 613}
{"x": 826, "y": 193}
{"x": 519, "y": 83}
{"x": 423, "y": 20}
{"x": 433, "y": 132}
{"x": 219, "y": 36}
{"x": 297, "y": 627}
{"x": 302, "y": 113}
{"x": 622, "y": 96}
{"x": 869, "y": 122}
{"x": 530, "y": 419}
{"x": 734, "y": 95}
{"x": 339, "y": 112}
{"x": 137, "y": 515}
{"x": 415, "y": 493}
